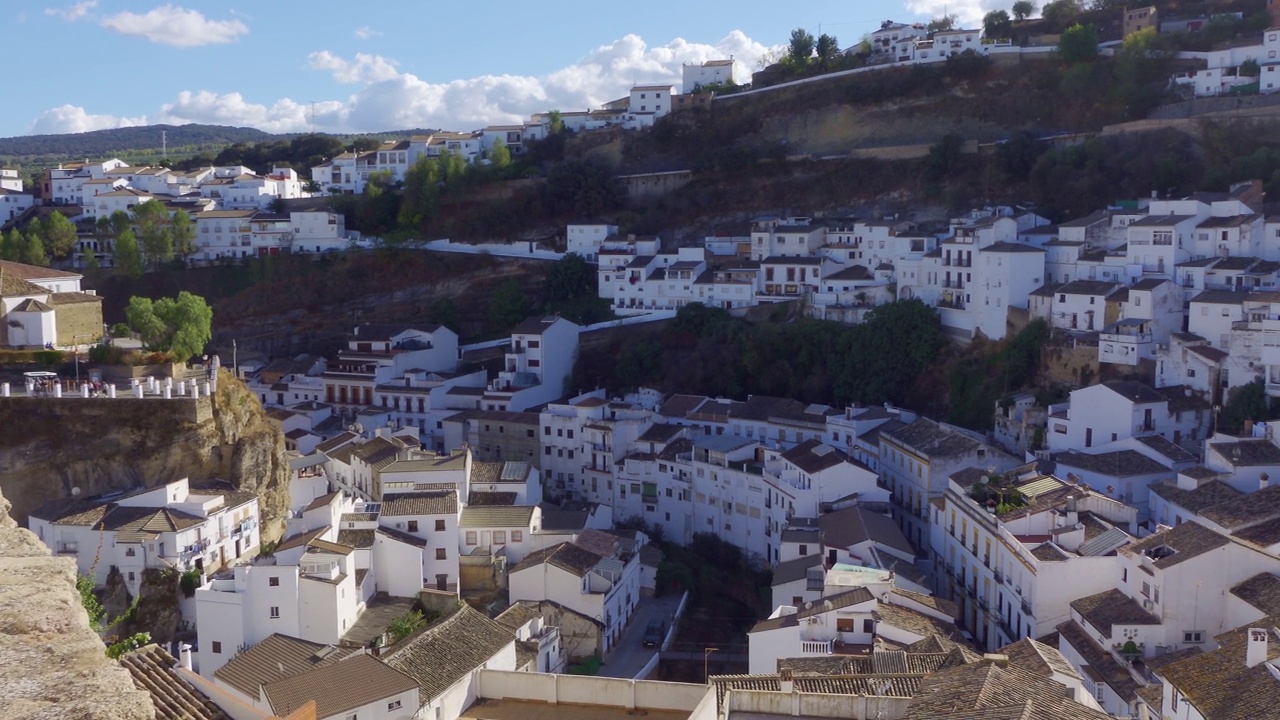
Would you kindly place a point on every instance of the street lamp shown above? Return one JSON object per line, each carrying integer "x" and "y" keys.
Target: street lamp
{"x": 706, "y": 659}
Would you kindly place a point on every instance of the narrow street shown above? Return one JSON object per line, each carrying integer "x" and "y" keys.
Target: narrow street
{"x": 630, "y": 655}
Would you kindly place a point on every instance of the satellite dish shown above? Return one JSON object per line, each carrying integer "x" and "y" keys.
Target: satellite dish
{"x": 75, "y": 492}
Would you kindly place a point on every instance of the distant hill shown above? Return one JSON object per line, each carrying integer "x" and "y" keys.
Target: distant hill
{"x": 122, "y": 140}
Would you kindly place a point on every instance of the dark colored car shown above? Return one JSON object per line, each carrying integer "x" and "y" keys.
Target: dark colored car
{"x": 654, "y": 632}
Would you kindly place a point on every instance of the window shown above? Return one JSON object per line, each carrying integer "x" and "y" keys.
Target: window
{"x": 471, "y": 537}
{"x": 499, "y": 537}
{"x": 845, "y": 625}
{"x": 868, "y": 626}
{"x": 273, "y": 581}
{"x": 216, "y": 647}
{"x": 804, "y": 549}
{"x": 440, "y": 554}
{"x": 439, "y": 526}
{"x": 1124, "y": 575}
{"x": 1146, "y": 589}
{"x": 546, "y": 430}
{"x": 129, "y": 552}
{"x": 413, "y": 526}
{"x": 1194, "y": 636}
{"x": 517, "y": 536}
{"x": 275, "y": 612}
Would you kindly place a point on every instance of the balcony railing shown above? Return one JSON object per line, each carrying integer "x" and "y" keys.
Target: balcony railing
{"x": 816, "y": 647}
{"x": 999, "y": 578}
{"x": 1026, "y": 608}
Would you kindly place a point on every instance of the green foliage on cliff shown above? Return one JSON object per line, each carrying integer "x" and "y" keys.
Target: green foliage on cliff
{"x": 180, "y": 326}
{"x": 707, "y": 351}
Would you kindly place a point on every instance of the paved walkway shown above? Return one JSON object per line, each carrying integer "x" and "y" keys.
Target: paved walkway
{"x": 630, "y": 655}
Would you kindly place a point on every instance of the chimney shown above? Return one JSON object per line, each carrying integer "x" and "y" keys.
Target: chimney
{"x": 1264, "y": 481}
{"x": 184, "y": 656}
{"x": 1256, "y": 652}
{"x": 785, "y": 683}
{"x": 995, "y": 659}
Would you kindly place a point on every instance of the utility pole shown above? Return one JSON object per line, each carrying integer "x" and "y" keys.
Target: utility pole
{"x": 164, "y": 144}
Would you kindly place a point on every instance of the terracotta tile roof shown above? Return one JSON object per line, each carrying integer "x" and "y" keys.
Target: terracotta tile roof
{"x": 989, "y": 690}
{"x": 428, "y": 503}
{"x": 512, "y": 516}
{"x": 357, "y": 538}
{"x": 1219, "y": 685}
{"x": 483, "y": 499}
{"x": 566, "y": 556}
{"x": 338, "y": 687}
{"x": 1121, "y": 463}
{"x": 444, "y": 652}
{"x": 1261, "y": 591}
{"x": 1244, "y": 510}
{"x": 302, "y": 539}
{"x": 1039, "y": 658}
{"x": 851, "y": 526}
{"x": 945, "y": 607}
{"x": 1206, "y": 496}
{"x": 403, "y": 537}
{"x": 518, "y": 615}
{"x": 916, "y": 622}
{"x": 278, "y": 656}
{"x": 872, "y": 685}
{"x": 322, "y": 501}
{"x": 1264, "y": 533}
{"x": 1188, "y": 540}
{"x": 814, "y": 456}
{"x": 929, "y": 438}
{"x": 173, "y": 698}
{"x": 1112, "y": 607}
{"x": 1244, "y": 453}
{"x": 795, "y": 569}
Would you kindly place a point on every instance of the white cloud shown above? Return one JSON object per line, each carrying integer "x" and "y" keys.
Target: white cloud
{"x": 389, "y": 99}
{"x": 366, "y": 32}
{"x": 284, "y": 115}
{"x": 75, "y": 12}
{"x": 179, "y": 27}
{"x": 74, "y": 119}
{"x": 363, "y": 69}
{"x": 970, "y": 12}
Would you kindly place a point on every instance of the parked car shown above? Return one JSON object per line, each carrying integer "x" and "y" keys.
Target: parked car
{"x": 654, "y": 632}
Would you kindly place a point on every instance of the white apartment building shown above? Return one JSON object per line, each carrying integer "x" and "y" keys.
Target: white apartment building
{"x": 586, "y": 239}
{"x": 917, "y": 460}
{"x": 1102, "y": 414}
{"x": 536, "y": 366}
{"x": 1012, "y": 550}
{"x": 176, "y": 525}
{"x": 13, "y": 203}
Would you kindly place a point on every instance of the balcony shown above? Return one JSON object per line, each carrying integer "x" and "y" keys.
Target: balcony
{"x": 816, "y": 647}
{"x": 1026, "y": 608}
{"x": 68, "y": 548}
{"x": 982, "y": 603}
{"x": 999, "y": 578}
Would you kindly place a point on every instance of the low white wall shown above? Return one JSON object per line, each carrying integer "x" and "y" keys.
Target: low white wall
{"x": 585, "y": 690}
{"x": 854, "y": 707}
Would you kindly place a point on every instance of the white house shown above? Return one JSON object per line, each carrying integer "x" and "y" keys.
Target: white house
{"x": 1112, "y": 411}
{"x": 536, "y": 366}
{"x": 710, "y": 72}
{"x": 604, "y": 588}
{"x": 586, "y": 239}
{"x": 176, "y": 525}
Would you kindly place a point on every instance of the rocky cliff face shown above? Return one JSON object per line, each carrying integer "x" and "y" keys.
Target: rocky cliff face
{"x": 54, "y": 448}
{"x": 52, "y": 665}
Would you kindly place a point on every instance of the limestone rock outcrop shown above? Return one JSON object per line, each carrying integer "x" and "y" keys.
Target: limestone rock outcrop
{"x": 52, "y": 664}
{"x": 56, "y": 448}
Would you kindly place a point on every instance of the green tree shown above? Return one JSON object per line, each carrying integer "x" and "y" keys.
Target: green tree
{"x": 183, "y": 234}
{"x": 1023, "y": 9}
{"x": 127, "y": 256}
{"x": 570, "y": 278}
{"x": 944, "y": 157}
{"x": 997, "y": 25}
{"x": 180, "y": 326}
{"x": 420, "y": 193}
{"x": 154, "y": 235}
{"x": 120, "y": 221}
{"x": 1079, "y": 43}
{"x": 444, "y": 311}
{"x": 940, "y": 24}
{"x": 91, "y": 264}
{"x": 555, "y": 122}
{"x": 102, "y": 228}
{"x": 1247, "y": 402}
{"x": 582, "y": 188}
{"x": 12, "y": 246}
{"x": 508, "y": 306}
{"x": 1250, "y": 68}
{"x": 1061, "y": 13}
{"x": 800, "y": 49}
{"x": 33, "y": 253}
{"x": 59, "y": 235}
{"x": 499, "y": 156}
{"x": 828, "y": 49}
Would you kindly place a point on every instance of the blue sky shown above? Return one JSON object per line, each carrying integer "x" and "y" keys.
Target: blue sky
{"x": 290, "y": 65}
